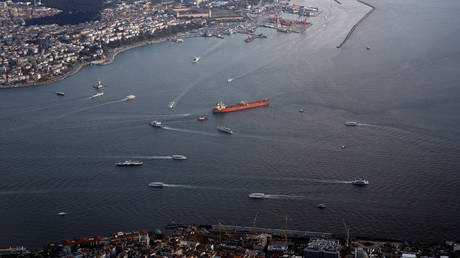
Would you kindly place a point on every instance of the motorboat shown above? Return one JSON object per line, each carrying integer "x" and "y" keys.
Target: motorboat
{"x": 60, "y": 93}
{"x": 229, "y": 80}
{"x": 157, "y": 124}
{"x": 224, "y": 129}
{"x": 202, "y": 118}
{"x": 321, "y": 206}
{"x": 196, "y": 59}
{"x": 171, "y": 105}
{"x": 156, "y": 184}
{"x": 256, "y": 195}
{"x": 178, "y": 157}
{"x": 62, "y": 213}
{"x": 130, "y": 97}
{"x": 301, "y": 110}
{"x": 351, "y": 123}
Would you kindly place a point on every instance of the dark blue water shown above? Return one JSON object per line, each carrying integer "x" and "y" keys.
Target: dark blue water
{"x": 58, "y": 153}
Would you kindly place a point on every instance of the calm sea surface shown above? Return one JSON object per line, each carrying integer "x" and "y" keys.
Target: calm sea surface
{"x": 58, "y": 153}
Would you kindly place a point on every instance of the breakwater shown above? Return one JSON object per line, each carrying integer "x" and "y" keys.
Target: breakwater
{"x": 356, "y": 25}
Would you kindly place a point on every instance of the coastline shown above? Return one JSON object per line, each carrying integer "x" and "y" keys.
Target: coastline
{"x": 356, "y": 25}
{"x": 111, "y": 56}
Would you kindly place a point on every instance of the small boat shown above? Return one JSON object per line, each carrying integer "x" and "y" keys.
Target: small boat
{"x": 351, "y": 123}
{"x": 59, "y": 93}
{"x": 130, "y": 97}
{"x": 249, "y": 39}
{"x": 178, "y": 157}
{"x": 368, "y": 48}
{"x": 62, "y": 213}
{"x": 360, "y": 182}
{"x": 196, "y": 59}
{"x": 301, "y": 110}
{"x": 256, "y": 195}
{"x": 229, "y": 80}
{"x": 321, "y": 206}
{"x": 97, "y": 95}
{"x": 128, "y": 163}
{"x": 156, "y": 184}
{"x": 99, "y": 85}
{"x": 224, "y": 129}
{"x": 179, "y": 40}
{"x": 202, "y": 118}
{"x": 171, "y": 105}
{"x": 342, "y": 147}
{"x": 158, "y": 124}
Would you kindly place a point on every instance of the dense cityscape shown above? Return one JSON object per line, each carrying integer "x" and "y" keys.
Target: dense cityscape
{"x": 180, "y": 240}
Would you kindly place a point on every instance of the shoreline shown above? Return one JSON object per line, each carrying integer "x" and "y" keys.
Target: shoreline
{"x": 356, "y": 25}
{"x": 110, "y": 59}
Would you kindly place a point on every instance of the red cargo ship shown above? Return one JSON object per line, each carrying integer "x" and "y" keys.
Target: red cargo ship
{"x": 222, "y": 108}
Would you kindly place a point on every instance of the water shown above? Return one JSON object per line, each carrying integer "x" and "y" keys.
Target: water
{"x": 58, "y": 153}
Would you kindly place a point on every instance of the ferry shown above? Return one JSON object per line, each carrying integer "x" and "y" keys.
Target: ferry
{"x": 130, "y": 97}
{"x": 229, "y": 80}
{"x": 128, "y": 163}
{"x": 171, "y": 105}
{"x": 196, "y": 59}
{"x": 202, "y": 118}
{"x": 178, "y": 157}
{"x": 99, "y": 85}
{"x": 156, "y": 184}
{"x": 256, "y": 195}
{"x": 224, "y": 129}
{"x": 60, "y": 93}
{"x": 360, "y": 182}
{"x": 97, "y": 95}
{"x": 222, "y": 108}
{"x": 158, "y": 124}
{"x": 351, "y": 123}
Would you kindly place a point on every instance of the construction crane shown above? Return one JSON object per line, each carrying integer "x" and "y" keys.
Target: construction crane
{"x": 254, "y": 222}
{"x": 286, "y": 218}
{"x": 347, "y": 231}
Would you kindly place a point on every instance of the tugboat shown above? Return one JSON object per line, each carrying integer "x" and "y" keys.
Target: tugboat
{"x": 202, "y": 118}
{"x": 360, "y": 182}
{"x": 158, "y": 124}
{"x": 196, "y": 59}
{"x": 60, "y": 93}
{"x": 178, "y": 157}
{"x": 156, "y": 184}
{"x": 129, "y": 163}
{"x": 256, "y": 195}
{"x": 224, "y": 129}
{"x": 351, "y": 123}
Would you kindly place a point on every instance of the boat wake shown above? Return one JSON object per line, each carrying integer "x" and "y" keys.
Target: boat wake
{"x": 91, "y": 107}
{"x": 189, "y": 131}
{"x": 179, "y": 186}
{"x": 296, "y": 179}
{"x": 283, "y": 196}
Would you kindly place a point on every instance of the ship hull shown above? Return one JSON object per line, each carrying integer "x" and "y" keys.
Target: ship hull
{"x": 238, "y": 107}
